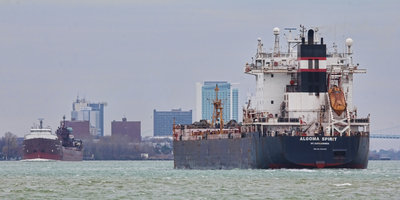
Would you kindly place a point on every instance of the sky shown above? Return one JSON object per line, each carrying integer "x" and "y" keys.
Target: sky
{"x": 143, "y": 55}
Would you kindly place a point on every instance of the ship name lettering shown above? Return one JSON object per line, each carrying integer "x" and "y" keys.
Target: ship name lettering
{"x": 320, "y": 149}
{"x": 309, "y": 138}
{"x": 332, "y": 139}
{"x": 319, "y": 143}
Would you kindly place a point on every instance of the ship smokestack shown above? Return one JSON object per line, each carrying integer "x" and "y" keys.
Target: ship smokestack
{"x": 310, "y": 37}
{"x": 322, "y": 40}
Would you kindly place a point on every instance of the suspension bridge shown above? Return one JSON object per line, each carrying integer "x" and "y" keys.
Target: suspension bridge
{"x": 385, "y": 136}
{"x": 388, "y": 138}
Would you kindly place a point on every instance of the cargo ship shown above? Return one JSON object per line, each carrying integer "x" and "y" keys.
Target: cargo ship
{"x": 71, "y": 148}
{"x": 42, "y": 145}
{"x": 301, "y": 116}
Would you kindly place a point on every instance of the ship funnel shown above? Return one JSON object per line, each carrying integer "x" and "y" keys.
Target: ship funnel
{"x": 310, "y": 37}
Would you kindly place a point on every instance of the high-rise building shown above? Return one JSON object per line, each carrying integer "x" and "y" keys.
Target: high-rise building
{"x": 205, "y": 95}
{"x": 127, "y": 130}
{"x": 163, "y": 120}
{"x": 83, "y": 110}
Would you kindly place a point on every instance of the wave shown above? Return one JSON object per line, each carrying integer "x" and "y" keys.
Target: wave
{"x": 342, "y": 184}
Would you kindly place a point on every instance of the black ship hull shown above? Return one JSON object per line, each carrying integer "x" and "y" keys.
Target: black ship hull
{"x": 256, "y": 151}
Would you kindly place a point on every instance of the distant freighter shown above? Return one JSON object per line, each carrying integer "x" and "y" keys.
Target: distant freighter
{"x": 302, "y": 114}
{"x": 42, "y": 145}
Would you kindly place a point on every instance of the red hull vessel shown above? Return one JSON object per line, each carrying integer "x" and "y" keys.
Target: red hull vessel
{"x": 42, "y": 145}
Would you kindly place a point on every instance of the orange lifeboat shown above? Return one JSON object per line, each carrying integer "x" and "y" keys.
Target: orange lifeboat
{"x": 338, "y": 103}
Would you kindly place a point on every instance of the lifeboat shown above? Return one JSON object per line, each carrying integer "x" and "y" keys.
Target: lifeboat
{"x": 338, "y": 103}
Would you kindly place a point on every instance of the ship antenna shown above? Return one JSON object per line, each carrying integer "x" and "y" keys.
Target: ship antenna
{"x": 63, "y": 121}
{"x": 259, "y": 47}
{"x": 41, "y": 123}
{"x": 276, "y": 45}
{"x": 289, "y": 38}
{"x": 302, "y": 30}
{"x": 335, "y": 51}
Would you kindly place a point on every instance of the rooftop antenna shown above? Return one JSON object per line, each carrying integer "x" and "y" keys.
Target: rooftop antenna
{"x": 276, "y": 45}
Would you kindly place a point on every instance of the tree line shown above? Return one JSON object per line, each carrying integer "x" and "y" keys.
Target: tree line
{"x": 114, "y": 148}
{"x": 104, "y": 148}
{"x": 10, "y": 148}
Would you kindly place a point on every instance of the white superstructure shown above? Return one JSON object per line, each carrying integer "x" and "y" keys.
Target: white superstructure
{"x": 292, "y": 88}
{"x": 39, "y": 132}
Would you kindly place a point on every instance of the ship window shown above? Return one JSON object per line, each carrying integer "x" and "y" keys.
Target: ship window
{"x": 42, "y": 150}
{"x": 316, "y": 64}
{"x": 258, "y": 63}
{"x": 34, "y": 151}
{"x": 310, "y": 64}
{"x": 272, "y": 102}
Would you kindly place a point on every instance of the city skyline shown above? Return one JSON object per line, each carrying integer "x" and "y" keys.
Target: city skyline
{"x": 140, "y": 56}
{"x": 83, "y": 110}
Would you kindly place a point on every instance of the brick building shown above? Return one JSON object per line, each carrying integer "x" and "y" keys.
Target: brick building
{"x": 124, "y": 129}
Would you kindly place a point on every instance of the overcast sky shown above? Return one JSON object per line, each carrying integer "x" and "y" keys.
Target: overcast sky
{"x": 143, "y": 55}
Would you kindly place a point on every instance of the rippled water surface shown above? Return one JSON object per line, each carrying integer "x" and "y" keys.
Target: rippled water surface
{"x": 158, "y": 180}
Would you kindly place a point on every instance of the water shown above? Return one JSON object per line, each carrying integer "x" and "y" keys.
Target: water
{"x": 158, "y": 180}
